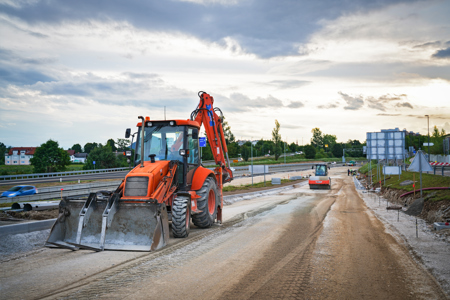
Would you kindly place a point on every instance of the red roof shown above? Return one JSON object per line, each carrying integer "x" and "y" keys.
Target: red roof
{"x": 71, "y": 152}
{"x": 28, "y": 150}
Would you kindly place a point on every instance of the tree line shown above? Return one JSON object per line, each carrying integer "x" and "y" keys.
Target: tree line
{"x": 321, "y": 146}
{"x": 49, "y": 157}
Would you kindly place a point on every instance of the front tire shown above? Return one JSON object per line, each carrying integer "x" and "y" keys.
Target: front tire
{"x": 207, "y": 203}
{"x": 181, "y": 217}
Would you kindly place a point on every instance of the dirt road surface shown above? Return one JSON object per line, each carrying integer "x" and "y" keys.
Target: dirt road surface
{"x": 301, "y": 244}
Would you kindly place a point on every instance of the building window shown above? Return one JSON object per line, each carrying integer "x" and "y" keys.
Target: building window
{"x": 7, "y": 161}
{"x": 15, "y": 162}
{"x": 22, "y": 156}
{"x": 23, "y": 162}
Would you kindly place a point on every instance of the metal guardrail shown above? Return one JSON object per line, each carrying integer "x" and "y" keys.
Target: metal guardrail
{"x": 86, "y": 189}
{"x": 60, "y": 174}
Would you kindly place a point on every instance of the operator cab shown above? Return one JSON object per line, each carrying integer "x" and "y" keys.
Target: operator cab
{"x": 169, "y": 141}
{"x": 321, "y": 170}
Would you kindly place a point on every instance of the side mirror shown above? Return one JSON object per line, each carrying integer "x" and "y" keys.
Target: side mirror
{"x": 127, "y": 133}
{"x": 195, "y": 134}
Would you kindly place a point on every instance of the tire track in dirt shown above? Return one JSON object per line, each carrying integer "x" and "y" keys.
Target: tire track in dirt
{"x": 285, "y": 271}
{"x": 155, "y": 263}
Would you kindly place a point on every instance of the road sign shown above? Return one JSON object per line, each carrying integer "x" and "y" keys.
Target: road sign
{"x": 428, "y": 144}
{"x": 93, "y": 162}
{"x": 202, "y": 142}
{"x": 128, "y": 153}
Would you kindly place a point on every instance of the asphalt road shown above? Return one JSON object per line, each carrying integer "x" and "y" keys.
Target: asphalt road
{"x": 97, "y": 176}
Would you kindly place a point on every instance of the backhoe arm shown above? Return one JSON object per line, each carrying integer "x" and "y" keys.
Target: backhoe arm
{"x": 205, "y": 115}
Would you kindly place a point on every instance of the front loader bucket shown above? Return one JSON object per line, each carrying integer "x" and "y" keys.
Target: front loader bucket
{"x": 110, "y": 225}
{"x": 64, "y": 232}
{"x": 134, "y": 226}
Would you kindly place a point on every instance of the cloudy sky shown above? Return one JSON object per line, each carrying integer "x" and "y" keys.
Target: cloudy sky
{"x": 82, "y": 71}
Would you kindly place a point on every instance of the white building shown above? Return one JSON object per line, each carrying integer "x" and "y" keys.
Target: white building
{"x": 19, "y": 156}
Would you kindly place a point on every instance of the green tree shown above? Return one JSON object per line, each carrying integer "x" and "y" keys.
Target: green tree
{"x": 437, "y": 138}
{"x": 329, "y": 140}
{"x": 104, "y": 159}
{"x": 89, "y": 146}
{"x": 246, "y": 151}
{"x": 3, "y": 150}
{"x": 123, "y": 144}
{"x": 229, "y": 136}
{"x": 293, "y": 147}
{"x": 112, "y": 144}
{"x": 310, "y": 151}
{"x": 337, "y": 150}
{"x": 77, "y": 148}
{"x": 317, "y": 139}
{"x": 50, "y": 158}
{"x": 233, "y": 150}
{"x": 276, "y": 139}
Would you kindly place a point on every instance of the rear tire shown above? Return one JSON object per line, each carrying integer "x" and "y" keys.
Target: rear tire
{"x": 181, "y": 217}
{"x": 207, "y": 203}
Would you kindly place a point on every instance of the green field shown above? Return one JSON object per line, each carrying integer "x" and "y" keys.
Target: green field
{"x": 17, "y": 170}
{"x": 428, "y": 180}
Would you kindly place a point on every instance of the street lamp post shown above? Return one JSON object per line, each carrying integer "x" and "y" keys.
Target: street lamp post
{"x": 251, "y": 147}
{"x": 428, "y": 122}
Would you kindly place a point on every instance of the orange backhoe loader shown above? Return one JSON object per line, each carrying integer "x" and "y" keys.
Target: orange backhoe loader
{"x": 168, "y": 183}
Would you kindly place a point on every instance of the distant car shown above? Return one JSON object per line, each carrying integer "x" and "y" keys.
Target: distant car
{"x": 351, "y": 163}
{"x": 333, "y": 163}
{"x": 267, "y": 155}
{"x": 20, "y": 190}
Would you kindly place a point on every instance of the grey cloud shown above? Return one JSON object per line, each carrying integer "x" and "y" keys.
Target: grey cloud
{"x": 289, "y": 84}
{"x": 243, "y": 103}
{"x": 38, "y": 61}
{"x": 375, "y": 104}
{"x": 140, "y": 90}
{"x": 274, "y": 28}
{"x": 381, "y": 102}
{"x": 21, "y": 77}
{"x": 328, "y": 106}
{"x": 382, "y": 71}
{"x": 295, "y": 104}
{"x": 404, "y": 104}
{"x": 444, "y": 53}
{"x": 388, "y": 97}
{"x": 353, "y": 103}
{"x": 289, "y": 126}
{"x": 429, "y": 45}
{"x": 238, "y": 102}
{"x": 441, "y": 117}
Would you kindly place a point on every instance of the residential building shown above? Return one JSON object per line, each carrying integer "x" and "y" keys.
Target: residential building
{"x": 79, "y": 157}
{"x": 19, "y": 156}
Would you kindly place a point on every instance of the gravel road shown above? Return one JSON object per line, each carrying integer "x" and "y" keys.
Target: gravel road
{"x": 300, "y": 244}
